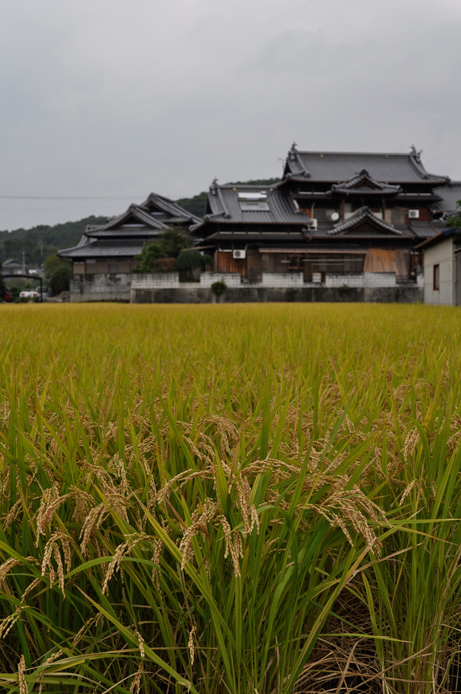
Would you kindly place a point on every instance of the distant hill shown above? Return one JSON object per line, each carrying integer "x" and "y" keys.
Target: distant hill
{"x": 195, "y": 205}
{"x": 42, "y": 240}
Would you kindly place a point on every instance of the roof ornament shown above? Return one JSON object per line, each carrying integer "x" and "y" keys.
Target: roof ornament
{"x": 293, "y": 151}
{"x": 414, "y": 153}
{"x": 214, "y": 186}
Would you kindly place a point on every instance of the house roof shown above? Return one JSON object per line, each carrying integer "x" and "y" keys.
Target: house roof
{"x": 134, "y": 215}
{"x": 352, "y": 226}
{"x": 225, "y": 207}
{"x": 450, "y": 194}
{"x": 125, "y": 234}
{"x": 98, "y": 249}
{"x": 334, "y": 167}
{"x": 171, "y": 210}
{"x": 11, "y": 263}
{"x": 363, "y": 184}
{"x": 257, "y": 237}
{"x": 454, "y": 234}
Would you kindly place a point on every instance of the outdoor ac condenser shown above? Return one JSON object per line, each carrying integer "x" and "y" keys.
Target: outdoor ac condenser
{"x": 413, "y": 214}
{"x": 239, "y": 255}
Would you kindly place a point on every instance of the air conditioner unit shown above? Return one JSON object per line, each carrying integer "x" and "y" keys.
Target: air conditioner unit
{"x": 313, "y": 224}
{"x": 239, "y": 255}
{"x": 413, "y": 214}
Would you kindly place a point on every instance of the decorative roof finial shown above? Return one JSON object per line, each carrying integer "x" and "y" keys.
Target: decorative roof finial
{"x": 293, "y": 151}
{"x": 214, "y": 185}
{"x": 414, "y": 153}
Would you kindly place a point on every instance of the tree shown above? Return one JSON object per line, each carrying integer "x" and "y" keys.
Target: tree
{"x": 188, "y": 260}
{"x": 53, "y": 263}
{"x": 148, "y": 258}
{"x": 455, "y": 220}
{"x": 155, "y": 254}
{"x": 60, "y": 280}
{"x": 2, "y": 285}
{"x": 173, "y": 241}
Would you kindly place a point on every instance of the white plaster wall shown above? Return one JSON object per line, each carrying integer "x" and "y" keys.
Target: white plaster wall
{"x": 440, "y": 254}
{"x": 341, "y": 280}
{"x": 367, "y": 279}
{"x": 160, "y": 280}
{"x": 380, "y": 279}
{"x": 232, "y": 279}
{"x": 282, "y": 279}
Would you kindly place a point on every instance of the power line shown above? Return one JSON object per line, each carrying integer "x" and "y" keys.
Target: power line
{"x": 67, "y": 197}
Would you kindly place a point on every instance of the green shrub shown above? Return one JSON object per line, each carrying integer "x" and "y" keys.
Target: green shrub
{"x": 218, "y": 287}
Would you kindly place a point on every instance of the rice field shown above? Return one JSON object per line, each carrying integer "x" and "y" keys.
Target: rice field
{"x": 230, "y": 499}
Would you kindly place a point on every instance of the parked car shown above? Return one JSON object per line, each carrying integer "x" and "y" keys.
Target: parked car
{"x": 29, "y": 294}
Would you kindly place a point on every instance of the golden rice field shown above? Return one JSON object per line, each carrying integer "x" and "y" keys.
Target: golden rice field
{"x": 230, "y": 499}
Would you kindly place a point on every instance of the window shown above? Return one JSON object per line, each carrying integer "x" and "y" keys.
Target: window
{"x": 398, "y": 216}
{"x": 436, "y": 278}
{"x": 253, "y": 202}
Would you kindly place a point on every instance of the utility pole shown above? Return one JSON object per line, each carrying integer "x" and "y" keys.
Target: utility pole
{"x": 24, "y": 262}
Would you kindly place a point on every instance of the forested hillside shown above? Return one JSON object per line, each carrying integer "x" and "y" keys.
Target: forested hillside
{"x": 42, "y": 240}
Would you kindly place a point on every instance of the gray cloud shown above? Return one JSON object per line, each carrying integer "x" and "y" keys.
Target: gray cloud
{"x": 107, "y": 98}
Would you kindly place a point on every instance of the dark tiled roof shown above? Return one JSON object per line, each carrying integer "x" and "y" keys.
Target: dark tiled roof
{"x": 256, "y": 236}
{"x": 125, "y": 234}
{"x": 136, "y": 212}
{"x": 174, "y": 213}
{"x": 11, "y": 262}
{"x": 450, "y": 195}
{"x": 335, "y": 167}
{"x": 425, "y": 230}
{"x": 364, "y": 214}
{"x": 364, "y": 184}
{"x": 98, "y": 250}
{"x": 454, "y": 234}
{"x": 223, "y": 201}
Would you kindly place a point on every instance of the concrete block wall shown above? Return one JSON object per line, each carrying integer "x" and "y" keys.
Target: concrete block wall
{"x": 232, "y": 279}
{"x": 258, "y": 293}
{"x": 282, "y": 279}
{"x": 100, "y": 287}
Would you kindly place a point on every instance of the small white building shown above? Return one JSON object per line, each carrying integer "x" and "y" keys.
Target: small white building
{"x": 442, "y": 268}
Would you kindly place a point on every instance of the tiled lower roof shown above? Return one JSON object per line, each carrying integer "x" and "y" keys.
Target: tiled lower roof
{"x": 97, "y": 250}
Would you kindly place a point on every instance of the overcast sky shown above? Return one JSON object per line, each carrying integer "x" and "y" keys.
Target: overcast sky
{"x": 117, "y": 98}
